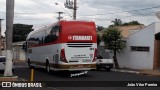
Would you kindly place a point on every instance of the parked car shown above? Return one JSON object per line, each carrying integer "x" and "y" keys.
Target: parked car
{"x": 104, "y": 63}
{"x": 2, "y": 63}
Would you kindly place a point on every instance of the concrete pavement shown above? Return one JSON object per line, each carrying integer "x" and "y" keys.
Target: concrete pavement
{"x": 151, "y": 72}
{"x": 14, "y": 78}
{"x": 143, "y": 72}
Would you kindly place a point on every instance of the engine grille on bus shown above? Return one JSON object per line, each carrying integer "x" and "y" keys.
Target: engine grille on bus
{"x": 79, "y": 45}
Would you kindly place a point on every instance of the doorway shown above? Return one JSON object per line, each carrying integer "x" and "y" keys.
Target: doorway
{"x": 157, "y": 52}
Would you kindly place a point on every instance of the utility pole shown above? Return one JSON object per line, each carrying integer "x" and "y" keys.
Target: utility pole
{"x": 59, "y": 15}
{"x": 74, "y": 9}
{"x": 9, "y": 35}
{"x": 72, "y": 5}
{"x": 0, "y": 36}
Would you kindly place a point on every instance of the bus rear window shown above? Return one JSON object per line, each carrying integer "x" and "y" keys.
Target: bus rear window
{"x": 53, "y": 35}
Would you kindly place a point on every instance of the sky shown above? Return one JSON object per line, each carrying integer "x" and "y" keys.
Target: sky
{"x": 40, "y": 13}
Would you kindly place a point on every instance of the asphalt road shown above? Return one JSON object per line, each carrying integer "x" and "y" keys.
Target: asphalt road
{"x": 40, "y": 75}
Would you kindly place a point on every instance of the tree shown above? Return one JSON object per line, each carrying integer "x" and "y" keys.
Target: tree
{"x": 117, "y": 22}
{"x": 100, "y": 28}
{"x": 131, "y": 23}
{"x": 98, "y": 39}
{"x": 20, "y": 32}
{"x": 113, "y": 41}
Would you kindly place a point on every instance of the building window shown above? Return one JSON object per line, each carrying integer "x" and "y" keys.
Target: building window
{"x": 140, "y": 48}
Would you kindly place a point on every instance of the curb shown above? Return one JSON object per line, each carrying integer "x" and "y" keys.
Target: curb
{"x": 126, "y": 71}
{"x": 135, "y": 72}
{"x": 14, "y": 77}
{"x": 10, "y": 77}
{"x": 150, "y": 74}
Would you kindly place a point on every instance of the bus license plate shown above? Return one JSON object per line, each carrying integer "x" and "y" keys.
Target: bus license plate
{"x": 80, "y": 66}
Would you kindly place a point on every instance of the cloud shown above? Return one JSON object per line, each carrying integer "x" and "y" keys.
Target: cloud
{"x": 125, "y": 5}
{"x": 107, "y": 10}
{"x": 42, "y": 12}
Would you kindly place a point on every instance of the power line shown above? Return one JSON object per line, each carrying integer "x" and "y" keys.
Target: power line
{"x": 42, "y": 12}
{"x": 124, "y": 11}
{"x": 138, "y": 15}
{"x": 50, "y": 18}
{"x": 89, "y": 15}
{"x": 113, "y": 18}
{"x": 36, "y": 6}
{"x": 33, "y": 8}
{"x": 72, "y": 5}
{"x": 33, "y": 19}
{"x": 61, "y": 7}
{"x": 82, "y": 15}
{"x": 38, "y": 3}
{"x": 64, "y": 9}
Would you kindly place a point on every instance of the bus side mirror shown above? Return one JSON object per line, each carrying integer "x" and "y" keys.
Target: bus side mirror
{"x": 25, "y": 46}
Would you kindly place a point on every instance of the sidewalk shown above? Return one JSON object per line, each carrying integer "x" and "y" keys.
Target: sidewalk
{"x": 2, "y": 79}
{"x": 143, "y": 72}
{"x": 14, "y": 78}
{"x": 151, "y": 72}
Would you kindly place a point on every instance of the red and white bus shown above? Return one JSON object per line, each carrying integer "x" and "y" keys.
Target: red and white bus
{"x": 65, "y": 45}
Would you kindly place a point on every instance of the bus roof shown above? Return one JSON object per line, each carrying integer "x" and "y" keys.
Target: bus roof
{"x": 52, "y": 24}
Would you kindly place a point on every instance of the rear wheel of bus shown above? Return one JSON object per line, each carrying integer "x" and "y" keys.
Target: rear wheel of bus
{"x": 47, "y": 66}
{"x": 29, "y": 64}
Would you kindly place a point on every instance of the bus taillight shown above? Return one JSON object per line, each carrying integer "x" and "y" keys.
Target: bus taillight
{"x": 95, "y": 55}
{"x": 63, "y": 57}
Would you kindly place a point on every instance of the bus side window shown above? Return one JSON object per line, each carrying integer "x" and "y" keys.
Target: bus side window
{"x": 55, "y": 32}
{"x": 53, "y": 35}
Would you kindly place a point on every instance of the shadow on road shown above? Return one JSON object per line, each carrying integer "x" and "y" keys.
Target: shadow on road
{"x": 63, "y": 74}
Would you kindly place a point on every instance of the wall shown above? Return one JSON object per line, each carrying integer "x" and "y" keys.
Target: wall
{"x": 139, "y": 59}
{"x": 125, "y": 29}
{"x": 18, "y": 53}
{"x": 157, "y": 30}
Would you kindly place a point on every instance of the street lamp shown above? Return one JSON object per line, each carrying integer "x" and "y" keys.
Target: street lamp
{"x": 59, "y": 17}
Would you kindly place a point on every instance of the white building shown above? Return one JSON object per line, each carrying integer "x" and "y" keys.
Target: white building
{"x": 142, "y": 49}
{"x": 18, "y": 52}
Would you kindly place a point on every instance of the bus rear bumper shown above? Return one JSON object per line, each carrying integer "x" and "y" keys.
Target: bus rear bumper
{"x": 79, "y": 67}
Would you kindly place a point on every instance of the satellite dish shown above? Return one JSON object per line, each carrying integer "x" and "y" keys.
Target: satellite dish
{"x": 158, "y": 14}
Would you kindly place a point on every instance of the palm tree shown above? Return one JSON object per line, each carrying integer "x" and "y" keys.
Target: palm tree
{"x": 117, "y": 22}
